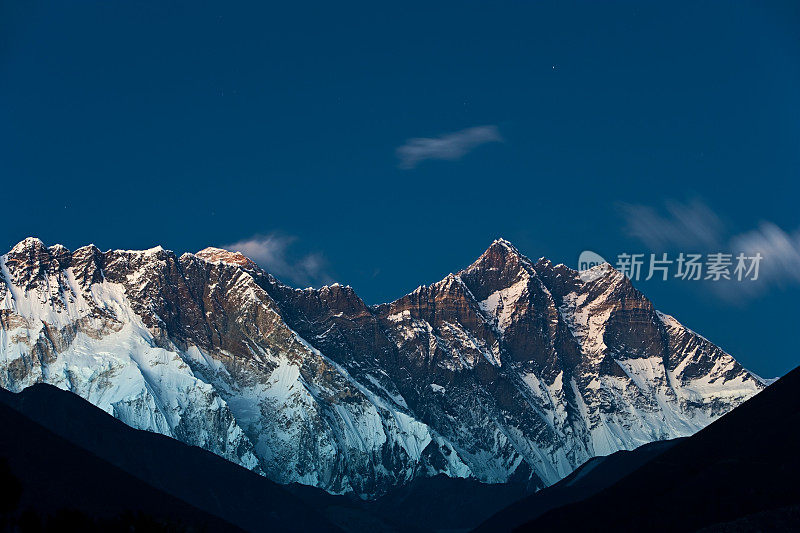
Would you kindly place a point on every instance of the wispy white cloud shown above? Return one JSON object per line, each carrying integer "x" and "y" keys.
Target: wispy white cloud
{"x": 695, "y": 227}
{"x": 780, "y": 250}
{"x": 450, "y": 146}
{"x": 272, "y": 252}
{"x": 685, "y": 225}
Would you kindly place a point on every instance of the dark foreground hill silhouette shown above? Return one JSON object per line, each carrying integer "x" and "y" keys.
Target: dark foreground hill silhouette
{"x": 590, "y": 478}
{"x": 227, "y": 491}
{"x": 246, "y": 499}
{"x": 49, "y": 484}
{"x": 739, "y": 474}
{"x": 69, "y": 455}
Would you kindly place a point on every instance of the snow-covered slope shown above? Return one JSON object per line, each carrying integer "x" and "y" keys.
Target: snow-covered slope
{"x": 506, "y": 369}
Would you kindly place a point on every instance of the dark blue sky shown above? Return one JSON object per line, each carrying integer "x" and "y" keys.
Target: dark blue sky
{"x": 135, "y": 124}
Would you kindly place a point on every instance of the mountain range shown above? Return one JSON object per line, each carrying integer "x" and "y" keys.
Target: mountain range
{"x": 509, "y": 370}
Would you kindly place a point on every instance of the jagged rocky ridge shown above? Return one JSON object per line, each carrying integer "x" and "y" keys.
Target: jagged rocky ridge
{"x": 508, "y": 369}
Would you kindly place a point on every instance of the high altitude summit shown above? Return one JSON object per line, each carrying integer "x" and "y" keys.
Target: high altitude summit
{"x": 507, "y": 369}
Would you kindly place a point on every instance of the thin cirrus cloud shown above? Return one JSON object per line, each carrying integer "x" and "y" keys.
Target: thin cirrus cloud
{"x": 694, "y": 227}
{"x": 686, "y": 225}
{"x": 273, "y": 253}
{"x": 780, "y": 250}
{"x": 448, "y": 147}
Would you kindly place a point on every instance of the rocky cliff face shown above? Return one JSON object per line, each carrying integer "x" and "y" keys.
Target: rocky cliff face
{"x": 508, "y": 369}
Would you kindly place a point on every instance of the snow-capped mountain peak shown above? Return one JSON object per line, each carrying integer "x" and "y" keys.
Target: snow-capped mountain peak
{"x": 224, "y": 256}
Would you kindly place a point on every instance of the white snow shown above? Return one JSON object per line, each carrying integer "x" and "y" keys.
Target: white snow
{"x": 501, "y": 304}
